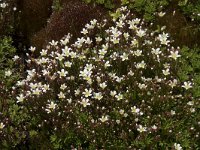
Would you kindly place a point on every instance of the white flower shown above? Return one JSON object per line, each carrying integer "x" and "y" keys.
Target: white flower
{"x": 42, "y": 60}
{"x": 141, "y": 33}
{"x": 190, "y": 103}
{"x": 120, "y": 23}
{"x": 107, "y": 64}
{"x": 43, "y": 52}
{"x": 136, "y": 21}
{"x": 89, "y": 67}
{"x": 14, "y": 8}
{"x": 2, "y": 125}
{"x": 73, "y": 54}
{"x": 65, "y": 41}
{"x": 69, "y": 101}
{"x": 187, "y": 85}
{"x": 192, "y": 110}
{"x": 84, "y": 31}
{"x": 166, "y": 72}
{"x": 161, "y": 14}
{"x": 98, "y": 96}
{"x": 131, "y": 73}
{"x": 88, "y": 41}
{"x": 20, "y": 83}
{"x": 177, "y": 146}
{"x": 140, "y": 65}
{"x": 87, "y": 92}
{"x": 53, "y": 43}
{"x": 124, "y": 56}
{"x": 104, "y": 118}
{"x": 118, "y": 79}
{"x": 156, "y": 51}
{"x": 20, "y": 98}
{"x": 33, "y": 86}
{"x": 102, "y": 52}
{"x": 126, "y": 35}
{"x": 173, "y": 83}
{"x": 93, "y": 22}
{"x": 32, "y": 49}
{"x": 103, "y": 85}
{"x": 59, "y": 57}
{"x": 3, "y": 5}
{"x": 85, "y": 102}
{"x": 134, "y": 43}
{"x": 113, "y": 93}
{"x": 142, "y": 86}
{"x": 45, "y": 72}
{"x": 88, "y": 26}
{"x": 85, "y": 74}
{"x": 154, "y": 127}
{"x": 132, "y": 24}
{"x": 138, "y": 53}
{"x": 115, "y": 32}
{"x": 80, "y": 40}
{"x": 15, "y": 57}
{"x": 172, "y": 112}
{"x": 68, "y": 64}
{"x": 51, "y": 107}
{"x": 45, "y": 87}
{"x": 174, "y": 55}
{"x": 36, "y": 91}
{"x": 61, "y": 95}
{"x": 77, "y": 92}
{"x": 63, "y": 87}
{"x": 118, "y": 121}
{"x": 62, "y": 73}
{"x": 115, "y": 40}
{"x": 8, "y": 73}
{"x": 166, "y": 65}
{"x": 141, "y": 129}
{"x": 119, "y": 97}
{"x": 163, "y": 38}
{"x": 66, "y": 51}
{"x": 98, "y": 39}
{"x": 121, "y": 111}
{"x": 135, "y": 110}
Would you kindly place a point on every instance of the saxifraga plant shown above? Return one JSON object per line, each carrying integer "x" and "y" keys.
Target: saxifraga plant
{"x": 118, "y": 90}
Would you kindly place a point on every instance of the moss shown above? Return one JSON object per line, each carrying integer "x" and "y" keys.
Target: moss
{"x": 181, "y": 29}
{"x": 70, "y": 19}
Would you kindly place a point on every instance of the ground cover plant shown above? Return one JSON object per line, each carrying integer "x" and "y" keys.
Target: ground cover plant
{"x": 181, "y": 17}
{"x": 120, "y": 83}
{"x": 102, "y": 93}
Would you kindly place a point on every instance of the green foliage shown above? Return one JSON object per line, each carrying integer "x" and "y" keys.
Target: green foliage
{"x": 71, "y": 125}
{"x": 57, "y": 5}
{"x": 191, "y": 9}
{"x": 191, "y": 67}
{"x": 9, "y": 75}
{"x": 146, "y": 8}
{"x": 120, "y": 90}
{"x": 106, "y": 3}
{"x": 7, "y": 65}
{"x": 7, "y": 51}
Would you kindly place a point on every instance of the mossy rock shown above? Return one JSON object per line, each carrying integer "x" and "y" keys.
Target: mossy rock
{"x": 182, "y": 30}
{"x": 70, "y": 19}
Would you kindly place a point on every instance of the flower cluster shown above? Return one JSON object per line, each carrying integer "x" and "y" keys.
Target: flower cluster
{"x": 3, "y": 5}
{"x": 119, "y": 85}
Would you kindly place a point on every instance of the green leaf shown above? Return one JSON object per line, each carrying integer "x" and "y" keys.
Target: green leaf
{"x": 116, "y": 14}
